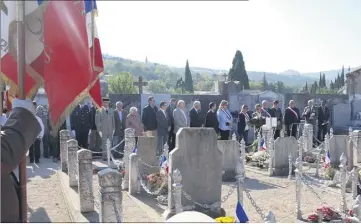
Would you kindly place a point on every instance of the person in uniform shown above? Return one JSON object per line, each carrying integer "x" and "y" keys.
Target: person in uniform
{"x": 17, "y": 135}
{"x": 104, "y": 121}
{"x": 80, "y": 121}
{"x": 276, "y": 112}
{"x": 310, "y": 115}
{"x": 292, "y": 119}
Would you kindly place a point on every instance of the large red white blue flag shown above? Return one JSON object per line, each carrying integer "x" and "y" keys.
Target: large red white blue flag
{"x": 62, "y": 52}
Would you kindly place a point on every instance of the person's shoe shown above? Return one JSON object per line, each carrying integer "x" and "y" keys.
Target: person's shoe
{"x": 31, "y": 161}
{"x": 37, "y": 161}
{"x": 55, "y": 160}
{"x": 105, "y": 159}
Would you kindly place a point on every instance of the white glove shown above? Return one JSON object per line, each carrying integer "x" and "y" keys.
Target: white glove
{"x": 26, "y": 104}
{"x": 89, "y": 132}
{"x": 73, "y": 133}
{"x": 100, "y": 133}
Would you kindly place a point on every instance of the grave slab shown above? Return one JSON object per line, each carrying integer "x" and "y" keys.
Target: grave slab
{"x": 199, "y": 161}
{"x": 230, "y": 156}
{"x": 284, "y": 146}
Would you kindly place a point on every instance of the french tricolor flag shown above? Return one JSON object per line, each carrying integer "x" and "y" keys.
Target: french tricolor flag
{"x": 95, "y": 50}
{"x": 327, "y": 159}
{"x": 263, "y": 145}
{"x": 164, "y": 163}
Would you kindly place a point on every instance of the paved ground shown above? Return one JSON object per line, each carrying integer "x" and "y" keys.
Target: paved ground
{"x": 278, "y": 195}
{"x": 45, "y": 200}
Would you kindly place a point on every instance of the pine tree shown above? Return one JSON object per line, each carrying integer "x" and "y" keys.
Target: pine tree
{"x": 238, "y": 71}
{"x": 306, "y": 87}
{"x": 320, "y": 80}
{"x": 314, "y": 88}
{"x": 264, "y": 82}
{"x": 188, "y": 80}
{"x": 332, "y": 86}
{"x": 324, "y": 85}
{"x": 342, "y": 78}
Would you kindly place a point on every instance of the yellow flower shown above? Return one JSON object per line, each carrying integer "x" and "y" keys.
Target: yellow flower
{"x": 226, "y": 219}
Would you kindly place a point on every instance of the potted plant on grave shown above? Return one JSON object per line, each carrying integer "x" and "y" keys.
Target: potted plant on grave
{"x": 156, "y": 181}
{"x": 329, "y": 173}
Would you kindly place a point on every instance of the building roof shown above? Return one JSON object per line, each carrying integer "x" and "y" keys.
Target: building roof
{"x": 357, "y": 69}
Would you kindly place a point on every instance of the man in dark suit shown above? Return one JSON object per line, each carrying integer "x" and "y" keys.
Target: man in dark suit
{"x": 195, "y": 116}
{"x": 323, "y": 121}
{"x": 95, "y": 139}
{"x": 148, "y": 117}
{"x": 292, "y": 119}
{"x": 243, "y": 124}
{"x": 276, "y": 112}
{"x": 17, "y": 135}
{"x": 163, "y": 127}
{"x": 80, "y": 121}
{"x": 170, "y": 109}
{"x": 211, "y": 118}
{"x": 120, "y": 115}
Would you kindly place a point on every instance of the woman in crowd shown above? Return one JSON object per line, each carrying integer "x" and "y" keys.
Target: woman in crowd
{"x": 225, "y": 120}
{"x": 257, "y": 118}
{"x": 133, "y": 121}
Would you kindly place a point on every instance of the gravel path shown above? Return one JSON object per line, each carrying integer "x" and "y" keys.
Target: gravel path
{"x": 45, "y": 200}
{"x": 278, "y": 195}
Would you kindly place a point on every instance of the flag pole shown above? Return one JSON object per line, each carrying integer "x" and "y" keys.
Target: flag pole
{"x": 20, "y": 56}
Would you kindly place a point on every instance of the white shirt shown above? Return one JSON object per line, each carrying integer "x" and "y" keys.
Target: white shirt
{"x": 41, "y": 134}
{"x": 120, "y": 115}
{"x": 3, "y": 119}
{"x": 184, "y": 114}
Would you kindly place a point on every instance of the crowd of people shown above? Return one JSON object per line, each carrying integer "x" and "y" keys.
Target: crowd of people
{"x": 93, "y": 127}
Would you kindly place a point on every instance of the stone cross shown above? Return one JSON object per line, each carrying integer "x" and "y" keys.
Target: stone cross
{"x": 72, "y": 146}
{"x": 140, "y": 84}
{"x": 64, "y": 137}
{"x": 85, "y": 180}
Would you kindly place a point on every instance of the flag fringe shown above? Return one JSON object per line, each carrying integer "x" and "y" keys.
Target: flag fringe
{"x": 13, "y": 90}
{"x": 55, "y": 127}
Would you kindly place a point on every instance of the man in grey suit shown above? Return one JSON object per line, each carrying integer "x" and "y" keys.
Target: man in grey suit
{"x": 120, "y": 116}
{"x": 163, "y": 127}
{"x": 180, "y": 117}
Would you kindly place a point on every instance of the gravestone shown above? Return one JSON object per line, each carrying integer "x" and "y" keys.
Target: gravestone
{"x": 341, "y": 115}
{"x": 230, "y": 156}
{"x": 146, "y": 153}
{"x": 283, "y": 147}
{"x": 198, "y": 159}
{"x": 72, "y": 146}
{"x": 85, "y": 180}
{"x": 356, "y": 147}
{"x": 64, "y": 137}
{"x": 338, "y": 145}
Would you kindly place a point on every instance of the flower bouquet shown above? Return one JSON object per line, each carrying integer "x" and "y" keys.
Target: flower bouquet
{"x": 309, "y": 159}
{"x": 329, "y": 173}
{"x": 257, "y": 122}
{"x": 327, "y": 214}
{"x": 155, "y": 181}
{"x": 351, "y": 218}
{"x": 226, "y": 219}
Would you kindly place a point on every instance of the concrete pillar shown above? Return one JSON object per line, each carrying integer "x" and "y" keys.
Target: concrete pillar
{"x": 64, "y": 137}
{"x": 72, "y": 146}
{"x": 85, "y": 180}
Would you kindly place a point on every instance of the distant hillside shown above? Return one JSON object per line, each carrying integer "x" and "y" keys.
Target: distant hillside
{"x": 153, "y": 71}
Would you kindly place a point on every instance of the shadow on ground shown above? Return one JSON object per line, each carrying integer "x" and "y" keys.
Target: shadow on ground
{"x": 39, "y": 215}
{"x": 93, "y": 216}
{"x": 254, "y": 184}
{"x": 152, "y": 202}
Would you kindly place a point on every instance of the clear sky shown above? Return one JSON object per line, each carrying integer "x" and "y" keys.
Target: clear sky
{"x": 273, "y": 35}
